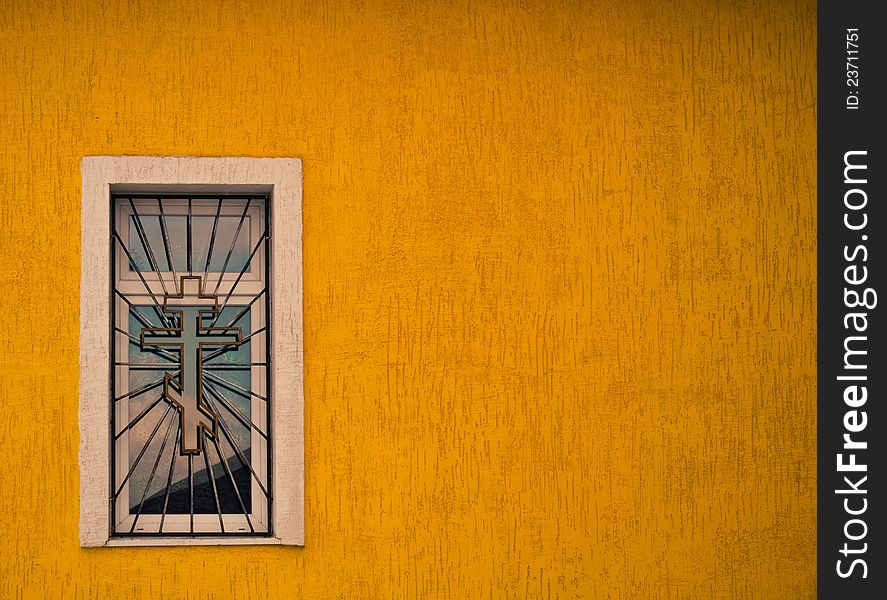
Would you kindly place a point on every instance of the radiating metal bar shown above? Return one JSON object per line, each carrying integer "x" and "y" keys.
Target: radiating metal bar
{"x": 224, "y": 428}
{"x": 142, "y": 453}
{"x": 172, "y": 463}
{"x": 239, "y": 277}
{"x": 158, "y": 351}
{"x": 190, "y": 244}
{"x": 246, "y": 422}
{"x": 232, "y": 366}
{"x": 151, "y": 476}
{"x": 249, "y": 305}
{"x": 233, "y": 243}
{"x": 224, "y": 462}
{"x": 212, "y": 478}
{"x": 140, "y": 230}
{"x": 157, "y": 309}
{"x": 191, "y": 487}
{"x": 243, "y": 461}
{"x": 234, "y": 387}
{"x": 229, "y": 347}
{"x": 138, "y": 418}
{"x": 136, "y": 312}
{"x": 147, "y": 366}
{"x": 140, "y": 391}
{"x": 212, "y": 242}
{"x": 172, "y": 266}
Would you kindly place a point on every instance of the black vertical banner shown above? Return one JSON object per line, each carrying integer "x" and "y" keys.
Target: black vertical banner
{"x": 852, "y": 268}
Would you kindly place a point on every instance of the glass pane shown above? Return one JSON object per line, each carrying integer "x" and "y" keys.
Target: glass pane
{"x": 190, "y": 405}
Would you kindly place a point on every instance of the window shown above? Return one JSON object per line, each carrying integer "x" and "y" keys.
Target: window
{"x": 191, "y": 401}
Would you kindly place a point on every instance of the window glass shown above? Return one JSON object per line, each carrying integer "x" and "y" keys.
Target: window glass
{"x": 190, "y": 408}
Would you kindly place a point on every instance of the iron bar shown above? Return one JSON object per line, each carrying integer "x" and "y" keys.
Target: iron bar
{"x": 235, "y": 412}
{"x": 235, "y": 388}
{"x": 233, "y": 366}
{"x": 239, "y": 277}
{"x": 227, "y": 467}
{"x": 233, "y": 243}
{"x": 172, "y": 463}
{"x": 229, "y": 347}
{"x": 156, "y": 350}
{"x": 138, "y": 392}
{"x": 190, "y": 246}
{"x": 236, "y": 448}
{"x": 147, "y": 366}
{"x": 210, "y": 474}
{"x": 212, "y": 241}
{"x": 172, "y": 265}
{"x": 151, "y": 477}
{"x": 157, "y": 309}
{"x": 191, "y": 487}
{"x": 142, "y": 453}
{"x": 136, "y": 312}
{"x": 143, "y": 237}
{"x": 138, "y": 418}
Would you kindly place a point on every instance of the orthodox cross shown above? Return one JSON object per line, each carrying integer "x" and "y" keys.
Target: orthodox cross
{"x": 193, "y": 313}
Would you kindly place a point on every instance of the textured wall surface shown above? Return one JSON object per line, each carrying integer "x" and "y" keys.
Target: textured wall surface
{"x": 558, "y": 275}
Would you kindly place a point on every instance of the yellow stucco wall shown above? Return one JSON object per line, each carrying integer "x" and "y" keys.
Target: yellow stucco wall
{"x": 558, "y": 274}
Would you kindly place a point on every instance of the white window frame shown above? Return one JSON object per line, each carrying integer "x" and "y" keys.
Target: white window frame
{"x": 281, "y": 178}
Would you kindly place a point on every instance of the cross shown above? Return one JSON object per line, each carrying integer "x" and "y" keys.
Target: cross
{"x": 191, "y": 336}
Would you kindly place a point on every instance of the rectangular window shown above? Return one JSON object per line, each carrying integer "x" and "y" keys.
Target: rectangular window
{"x": 191, "y": 404}
{"x": 190, "y": 409}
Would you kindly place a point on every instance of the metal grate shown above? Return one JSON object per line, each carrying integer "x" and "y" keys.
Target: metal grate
{"x": 190, "y": 346}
